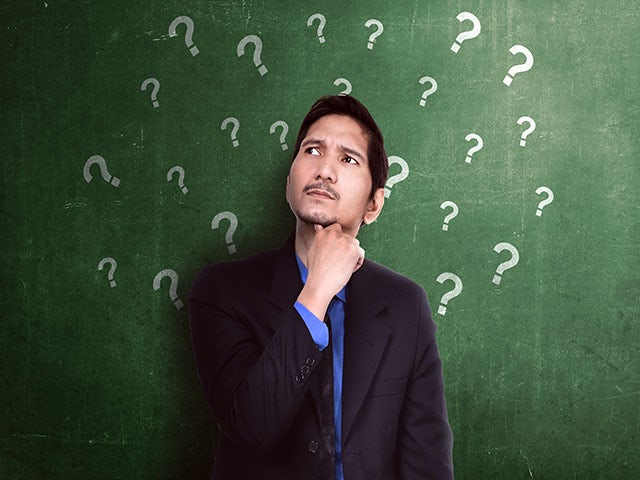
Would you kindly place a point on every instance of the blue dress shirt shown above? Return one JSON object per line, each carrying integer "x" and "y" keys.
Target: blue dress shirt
{"x": 320, "y": 334}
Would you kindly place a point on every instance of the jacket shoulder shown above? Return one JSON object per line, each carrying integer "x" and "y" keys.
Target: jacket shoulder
{"x": 243, "y": 273}
{"x": 392, "y": 281}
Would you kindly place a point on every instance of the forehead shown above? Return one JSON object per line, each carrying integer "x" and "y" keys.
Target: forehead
{"x": 341, "y": 128}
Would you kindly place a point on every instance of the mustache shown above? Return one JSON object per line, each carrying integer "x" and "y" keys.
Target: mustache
{"x": 322, "y": 186}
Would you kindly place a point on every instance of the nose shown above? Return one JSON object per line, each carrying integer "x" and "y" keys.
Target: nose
{"x": 326, "y": 169}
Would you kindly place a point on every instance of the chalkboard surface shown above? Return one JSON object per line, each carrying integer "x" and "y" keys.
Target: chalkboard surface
{"x": 143, "y": 140}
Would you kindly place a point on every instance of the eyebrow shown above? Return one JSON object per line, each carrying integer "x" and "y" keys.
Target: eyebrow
{"x": 349, "y": 150}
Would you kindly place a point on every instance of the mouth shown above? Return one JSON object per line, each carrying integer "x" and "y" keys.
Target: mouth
{"x": 321, "y": 191}
{"x": 314, "y": 192}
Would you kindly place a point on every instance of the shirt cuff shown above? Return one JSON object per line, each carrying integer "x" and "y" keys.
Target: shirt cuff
{"x": 317, "y": 328}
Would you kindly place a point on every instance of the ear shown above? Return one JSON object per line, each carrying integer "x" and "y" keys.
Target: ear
{"x": 374, "y": 207}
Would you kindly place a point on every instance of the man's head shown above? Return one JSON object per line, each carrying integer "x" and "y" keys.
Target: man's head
{"x": 351, "y": 107}
{"x": 339, "y": 167}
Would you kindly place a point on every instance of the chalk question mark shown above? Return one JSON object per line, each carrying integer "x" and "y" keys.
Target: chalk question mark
{"x": 523, "y": 67}
{"x": 283, "y": 135}
{"x": 346, "y": 83}
{"x": 512, "y": 262}
{"x": 528, "y": 131}
{"x": 434, "y": 87}
{"x": 443, "y": 277}
{"x": 172, "y": 288}
{"x": 473, "y": 33}
{"x": 180, "y": 171}
{"x": 233, "y": 224}
{"x": 322, "y": 22}
{"x": 188, "y": 38}
{"x": 115, "y": 181}
{"x": 404, "y": 173}
{"x": 154, "y": 91}
{"x": 379, "y": 29}
{"x": 234, "y": 130}
{"x": 257, "y": 52}
{"x": 544, "y": 202}
{"x": 112, "y": 270}
{"x": 478, "y": 146}
{"x": 451, "y": 216}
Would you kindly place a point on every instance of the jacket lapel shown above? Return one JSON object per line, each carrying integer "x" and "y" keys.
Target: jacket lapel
{"x": 364, "y": 341}
{"x": 286, "y": 283}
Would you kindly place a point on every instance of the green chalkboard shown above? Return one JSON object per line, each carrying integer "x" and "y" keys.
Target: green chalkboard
{"x": 541, "y": 357}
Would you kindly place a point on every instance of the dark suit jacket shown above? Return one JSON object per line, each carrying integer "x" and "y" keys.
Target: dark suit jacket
{"x": 259, "y": 366}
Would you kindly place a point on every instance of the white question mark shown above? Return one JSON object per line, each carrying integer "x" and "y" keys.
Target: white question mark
{"x": 451, "y": 216}
{"x": 473, "y": 33}
{"x": 167, "y": 272}
{"x": 180, "y": 172}
{"x": 512, "y": 262}
{"x": 376, "y": 34}
{"x": 322, "y": 23}
{"x": 256, "y": 53}
{"x": 434, "y": 87}
{"x": 404, "y": 173}
{"x": 346, "y": 83}
{"x": 283, "y": 135}
{"x": 443, "y": 277}
{"x": 115, "y": 181}
{"x": 528, "y": 131}
{"x": 154, "y": 91}
{"x": 523, "y": 67}
{"x": 474, "y": 149}
{"x": 112, "y": 270}
{"x": 236, "y": 125}
{"x": 544, "y": 202}
{"x": 188, "y": 40}
{"x": 232, "y": 228}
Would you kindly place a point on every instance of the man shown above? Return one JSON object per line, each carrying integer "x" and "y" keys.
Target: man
{"x": 317, "y": 363}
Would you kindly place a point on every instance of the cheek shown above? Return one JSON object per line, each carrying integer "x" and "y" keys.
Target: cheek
{"x": 294, "y": 181}
{"x": 294, "y": 170}
{"x": 364, "y": 187}
{"x": 286, "y": 188}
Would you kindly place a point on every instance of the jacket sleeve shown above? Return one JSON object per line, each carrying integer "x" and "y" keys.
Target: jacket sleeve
{"x": 424, "y": 445}
{"x": 254, "y": 391}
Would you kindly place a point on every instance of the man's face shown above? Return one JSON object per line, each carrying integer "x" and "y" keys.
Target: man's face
{"x": 329, "y": 180}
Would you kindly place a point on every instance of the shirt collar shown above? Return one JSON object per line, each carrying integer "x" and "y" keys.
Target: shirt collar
{"x": 304, "y": 272}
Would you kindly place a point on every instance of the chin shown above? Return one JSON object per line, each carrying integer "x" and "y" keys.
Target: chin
{"x": 316, "y": 218}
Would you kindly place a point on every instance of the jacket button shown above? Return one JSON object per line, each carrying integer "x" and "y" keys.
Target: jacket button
{"x": 313, "y": 446}
{"x": 310, "y": 361}
{"x": 304, "y": 369}
{"x": 299, "y": 377}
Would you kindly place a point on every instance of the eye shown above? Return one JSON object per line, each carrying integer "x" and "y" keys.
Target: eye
{"x": 350, "y": 160}
{"x": 312, "y": 151}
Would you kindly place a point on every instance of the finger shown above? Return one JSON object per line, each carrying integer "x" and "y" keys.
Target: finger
{"x": 317, "y": 227}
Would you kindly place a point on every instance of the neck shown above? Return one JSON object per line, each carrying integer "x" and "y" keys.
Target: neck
{"x": 304, "y": 237}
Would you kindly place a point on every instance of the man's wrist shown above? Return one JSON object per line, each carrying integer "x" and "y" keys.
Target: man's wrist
{"x": 317, "y": 328}
{"x": 314, "y": 301}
